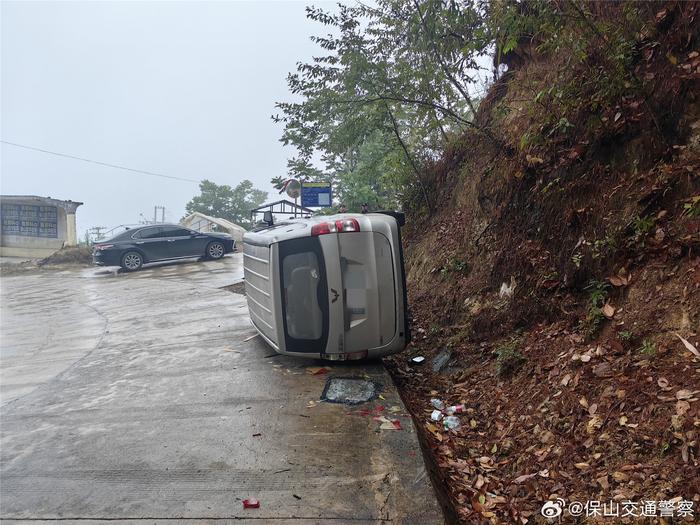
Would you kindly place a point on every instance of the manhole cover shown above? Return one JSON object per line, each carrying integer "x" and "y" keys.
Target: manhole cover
{"x": 350, "y": 390}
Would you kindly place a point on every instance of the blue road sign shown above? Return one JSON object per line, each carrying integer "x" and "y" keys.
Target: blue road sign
{"x": 316, "y": 194}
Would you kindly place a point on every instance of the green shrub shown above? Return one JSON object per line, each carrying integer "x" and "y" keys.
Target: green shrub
{"x": 509, "y": 359}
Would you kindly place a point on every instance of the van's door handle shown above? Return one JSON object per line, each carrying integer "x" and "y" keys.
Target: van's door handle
{"x": 171, "y": 240}
{"x": 140, "y": 242}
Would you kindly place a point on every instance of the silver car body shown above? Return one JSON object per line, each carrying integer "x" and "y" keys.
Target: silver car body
{"x": 337, "y": 295}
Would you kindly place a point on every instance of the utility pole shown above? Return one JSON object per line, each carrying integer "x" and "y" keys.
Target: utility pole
{"x": 96, "y": 233}
{"x": 155, "y": 214}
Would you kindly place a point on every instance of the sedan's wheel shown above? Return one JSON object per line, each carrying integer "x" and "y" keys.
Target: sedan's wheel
{"x": 132, "y": 261}
{"x": 215, "y": 250}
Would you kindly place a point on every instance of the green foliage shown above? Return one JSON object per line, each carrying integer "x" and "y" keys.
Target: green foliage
{"x": 598, "y": 293}
{"x": 455, "y": 265}
{"x": 390, "y": 87}
{"x": 691, "y": 208}
{"x": 603, "y": 247}
{"x": 576, "y": 259}
{"x": 642, "y": 225}
{"x": 625, "y": 335}
{"x": 648, "y": 348}
{"x": 388, "y": 94}
{"x": 593, "y": 56}
{"x": 232, "y": 204}
{"x": 509, "y": 359}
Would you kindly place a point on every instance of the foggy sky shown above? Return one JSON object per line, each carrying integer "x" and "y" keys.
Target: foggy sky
{"x": 180, "y": 88}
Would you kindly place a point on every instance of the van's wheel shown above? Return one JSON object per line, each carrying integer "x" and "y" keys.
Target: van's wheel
{"x": 215, "y": 250}
{"x": 132, "y": 261}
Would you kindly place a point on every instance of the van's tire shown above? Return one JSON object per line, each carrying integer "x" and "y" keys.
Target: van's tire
{"x": 215, "y": 250}
{"x": 132, "y": 261}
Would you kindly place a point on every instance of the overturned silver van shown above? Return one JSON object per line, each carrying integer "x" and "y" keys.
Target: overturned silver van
{"x": 330, "y": 287}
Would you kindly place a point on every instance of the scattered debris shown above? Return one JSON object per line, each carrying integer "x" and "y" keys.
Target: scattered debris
{"x": 441, "y": 360}
{"x": 438, "y": 404}
{"x": 436, "y": 415}
{"x": 451, "y": 423}
{"x": 350, "y": 390}
{"x": 455, "y": 409}
{"x": 507, "y": 290}
{"x": 251, "y": 503}
{"x": 317, "y": 370}
{"x": 388, "y": 423}
{"x": 370, "y": 412}
{"x": 418, "y": 360}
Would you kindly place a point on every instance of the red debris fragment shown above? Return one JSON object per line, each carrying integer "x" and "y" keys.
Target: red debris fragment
{"x": 251, "y": 503}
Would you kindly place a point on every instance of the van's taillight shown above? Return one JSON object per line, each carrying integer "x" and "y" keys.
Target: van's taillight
{"x": 339, "y": 226}
{"x": 103, "y": 246}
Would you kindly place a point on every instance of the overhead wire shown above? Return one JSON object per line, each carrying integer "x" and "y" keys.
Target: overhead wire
{"x": 107, "y": 164}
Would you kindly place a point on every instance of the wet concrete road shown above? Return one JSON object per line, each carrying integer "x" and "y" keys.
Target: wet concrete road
{"x": 146, "y": 397}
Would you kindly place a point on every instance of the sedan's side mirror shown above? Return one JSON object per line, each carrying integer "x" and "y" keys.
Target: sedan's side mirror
{"x": 267, "y": 218}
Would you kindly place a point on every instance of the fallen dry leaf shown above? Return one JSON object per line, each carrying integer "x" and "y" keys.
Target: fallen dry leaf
{"x": 523, "y": 478}
{"x": 608, "y": 310}
{"x": 594, "y": 424}
{"x": 533, "y": 161}
{"x": 682, "y": 407}
{"x": 691, "y": 348}
{"x": 620, "y": 476}
{"x": 618, "y": 280}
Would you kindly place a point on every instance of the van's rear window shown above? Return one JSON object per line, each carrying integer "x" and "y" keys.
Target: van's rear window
{"x": 302, "y": 276}
{"x": 305, "y": 295}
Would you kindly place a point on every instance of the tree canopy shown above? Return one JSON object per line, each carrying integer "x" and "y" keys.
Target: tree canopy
{"x": 232, "y": 204}
{"x": 390, "y": 91}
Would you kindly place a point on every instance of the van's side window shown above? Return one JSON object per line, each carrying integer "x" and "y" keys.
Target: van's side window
{"x": 305, "y": 295}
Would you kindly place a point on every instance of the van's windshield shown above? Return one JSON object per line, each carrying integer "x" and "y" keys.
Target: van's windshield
{"x": 305, "y": 296}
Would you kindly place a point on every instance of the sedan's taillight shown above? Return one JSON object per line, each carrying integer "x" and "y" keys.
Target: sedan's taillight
{"x": 339, "y": 226}
{"x": 99, "y": 247}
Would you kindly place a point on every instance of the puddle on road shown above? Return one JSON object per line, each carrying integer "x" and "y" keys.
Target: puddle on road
{"x": 350, "y": 390}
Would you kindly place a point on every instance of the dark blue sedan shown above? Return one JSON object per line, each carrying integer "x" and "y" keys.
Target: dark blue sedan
{"x": 146, "y": 244}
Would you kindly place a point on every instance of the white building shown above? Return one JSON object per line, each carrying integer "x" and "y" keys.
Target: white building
{"x": 205, "y": 223}
{"x": 36, "y": 227}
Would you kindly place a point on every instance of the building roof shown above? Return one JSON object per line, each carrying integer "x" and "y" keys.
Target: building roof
{"x": 69, "y": 205}
{"x": 216, "y": 220}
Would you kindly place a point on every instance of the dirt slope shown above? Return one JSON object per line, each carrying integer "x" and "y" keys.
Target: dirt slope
{"x": 563, "y": 276}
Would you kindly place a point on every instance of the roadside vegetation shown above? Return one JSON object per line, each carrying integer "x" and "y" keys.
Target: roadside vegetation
{"x": 547, "y": 155}
{"x": 225, "y": 202}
